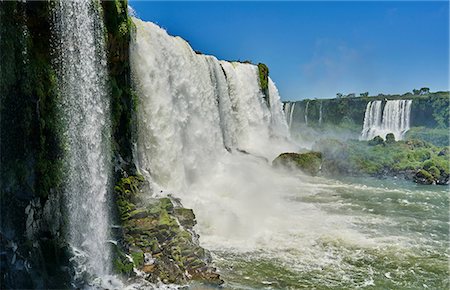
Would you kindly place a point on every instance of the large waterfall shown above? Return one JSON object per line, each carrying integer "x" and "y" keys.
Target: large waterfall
{"x": 193, "y": 108}
{"x": 85, "y": 112}
{"x": 205, "y": 134}
{"x": 394, "y": 118}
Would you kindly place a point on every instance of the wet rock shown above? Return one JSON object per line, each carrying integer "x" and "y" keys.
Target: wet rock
{"x": 377, "y": 140}
{"x": 424, "y": 177}
{"x": 159, "y": 238}
{"x": 186, "y": 217}
{"x": 310, "y": 162}
{"x": 390, "y": 138}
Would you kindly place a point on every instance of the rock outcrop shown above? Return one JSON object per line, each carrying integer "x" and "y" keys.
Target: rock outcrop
{"x": 158, "y": 241}
{"x": 309, "y": 163}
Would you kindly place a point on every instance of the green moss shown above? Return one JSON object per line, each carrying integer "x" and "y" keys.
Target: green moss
{"x": 138, "y": 258}
{"x": 377, "y": 140}
{"x": 435, "y": 172}
{"x": 123, "y": 267}
{"x": 120, "y": 27}
{"x": 310, "y": 162}
{"x": 424, "y": 177}
{"x": 263, "y": 72}
{"x": 390, "y": 138}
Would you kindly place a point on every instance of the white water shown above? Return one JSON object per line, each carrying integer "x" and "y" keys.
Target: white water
{"x": 241, "y": 203}
{"x": 306, "y": 113}
{"x": 395, "y": 118}
{"x": 85, "y": 111}
{"x": 191, "y": 111}
{"x": 320, "y": 113}
{"x": 289, "y": 112}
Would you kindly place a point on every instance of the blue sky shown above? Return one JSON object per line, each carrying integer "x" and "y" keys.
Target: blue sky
{"x": 317, "y": 49}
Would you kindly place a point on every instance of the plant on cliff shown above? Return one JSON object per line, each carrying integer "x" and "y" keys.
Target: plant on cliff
{"x": 263, "y": 72}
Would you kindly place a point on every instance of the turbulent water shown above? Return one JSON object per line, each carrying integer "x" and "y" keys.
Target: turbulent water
{"x": 346, "y": 235}
{"x": 85, "y": 112}
{"x": 394, "y": 118}
{"x": 194, "y": 109}
{"x": 206, "y": 135}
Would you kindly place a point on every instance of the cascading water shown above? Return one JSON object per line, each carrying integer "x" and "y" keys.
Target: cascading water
{"x": 320, "y": 113}
{"x": 395, "y": 118}
{"x": 266, "y": 228}
{"x": 193, "y": 108}
{"x": 289, "y": 112}
{"x": 306, "y": 113}
{"x": 81, "y": 62}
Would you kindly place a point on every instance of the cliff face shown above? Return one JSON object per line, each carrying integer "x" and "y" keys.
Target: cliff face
{"x": 31, "y": 223}
{"x": 429, "y": 110}
{"x": 33, "y": 226}
{"x": 34, "y": 252}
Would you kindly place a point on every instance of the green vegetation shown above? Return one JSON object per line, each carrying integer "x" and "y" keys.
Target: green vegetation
{"x": 263, "y": 72}
{"x": 31, "y": 145}
{"x": 430, "y": 110}
{"x": 436, "y": 136}
{"x": 309, "y": 163}
{"x": 160, "y": 231}
{"x": 120, "y": 28}
{"x": 412, "y": 159}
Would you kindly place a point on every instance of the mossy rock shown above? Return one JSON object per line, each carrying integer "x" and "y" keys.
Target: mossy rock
{"x": 161, "y": 230}
{"x": 186, "y": 217}
{"x": 377, "y": 140}
{"x": 390, "y": 138}
{"x": 310, "y": 163}
{"x": 424, "y": 177}
{"x": 435, "y": 172}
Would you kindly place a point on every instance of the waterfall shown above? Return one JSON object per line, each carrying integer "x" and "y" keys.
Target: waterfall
{"x": 193, "y": 108}
{"x": 320, "y": 113}
{"x": 289, "y": 112}
{"x": 394, "y": 118}
{"x": 278, "y": 121}
{"x": 206, "y": 134}
{"x": 306, "y": 113}
{"x": 81, "y": 62}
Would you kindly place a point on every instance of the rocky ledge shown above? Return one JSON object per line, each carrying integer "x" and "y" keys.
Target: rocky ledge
{"x": 157, "y": 240}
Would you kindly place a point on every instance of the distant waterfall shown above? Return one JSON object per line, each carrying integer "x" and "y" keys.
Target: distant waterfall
{"x": 320, "y": 113}
{"x": 193, "y": 108}
{"x": 81, "y": 62}
{"x": 289, "y": 112}
{"x": 306, "y": 113}
{"x": 395, "y": 118}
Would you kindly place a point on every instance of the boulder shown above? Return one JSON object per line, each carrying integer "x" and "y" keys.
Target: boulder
{"x": 390, "y": 138}
{"x": 309, "y": 163}
{"x": 424, "y": 177}
{"x": 158, "y": 238}
{"x": 377, "y": 140}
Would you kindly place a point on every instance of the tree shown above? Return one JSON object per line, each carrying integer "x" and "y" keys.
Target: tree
{"x": 424, "y": 91}
{"x": 366, "y": 94}
{"x": 416, "y": 92}
{"x": 339, "y": 95}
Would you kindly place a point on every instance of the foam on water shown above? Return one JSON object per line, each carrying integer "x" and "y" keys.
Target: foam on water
{"x": 206, "y": 135}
